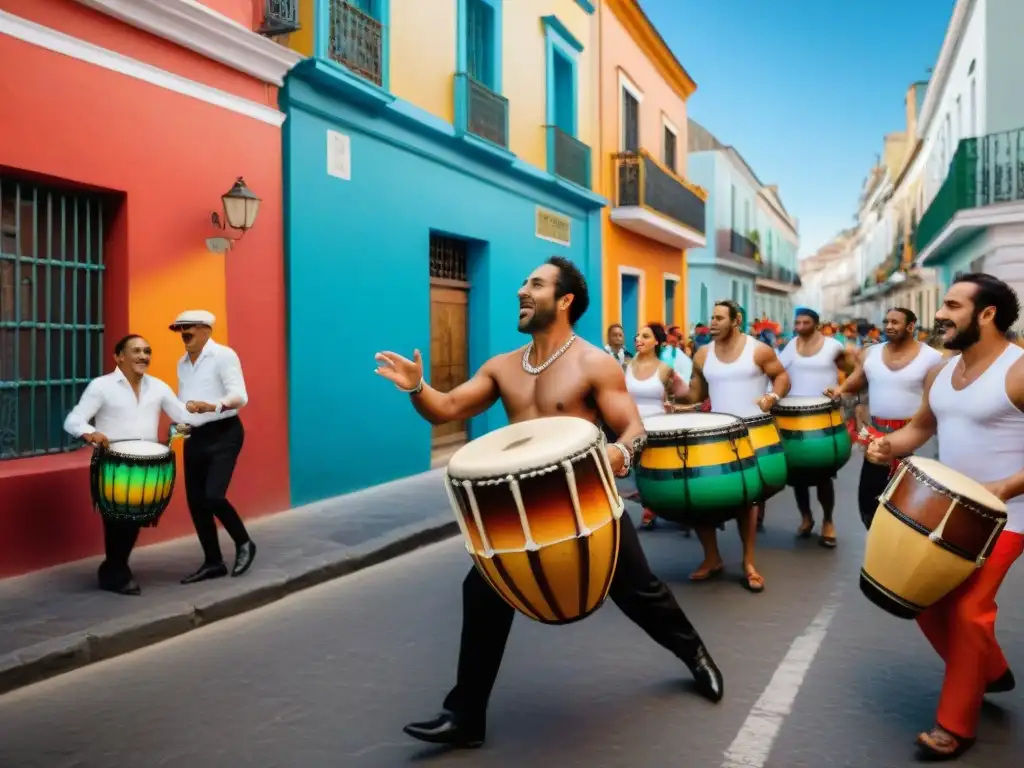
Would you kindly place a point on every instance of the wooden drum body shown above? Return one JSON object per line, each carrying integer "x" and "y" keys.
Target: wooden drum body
{"x": 697, "y": 468}
{"x": 133, "y": 480}
{"x": 770, "y": 453}
{"x": 539, "y": 511}
{"x": 815, "y": 438}
{"x": 933, "y": 528}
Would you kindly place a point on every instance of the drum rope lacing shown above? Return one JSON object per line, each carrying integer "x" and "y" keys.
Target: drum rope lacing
{"x": 535, "y": 370}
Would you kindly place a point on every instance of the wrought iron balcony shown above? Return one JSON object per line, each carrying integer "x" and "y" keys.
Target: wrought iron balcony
{"x": 357, "y": 41}
{"x": 984, "y": 171}
{"x": 481, "y": 111}
{"x": 568, "y": 157}
{"x": 743, "y": 246}
{"x": 778, "y": 278}
{"x": 657, "y": 203}
{"x": 280, "y": 17}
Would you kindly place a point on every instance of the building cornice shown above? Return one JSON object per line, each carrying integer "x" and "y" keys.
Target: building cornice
{"x": 940, "y": 75}
{"x": 771, "y": 201}
{"x": 192, "y": 25}
{"x": 646, "y": 35}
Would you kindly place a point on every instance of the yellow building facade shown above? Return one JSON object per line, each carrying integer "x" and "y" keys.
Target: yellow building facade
{"x": 655, "y": 213}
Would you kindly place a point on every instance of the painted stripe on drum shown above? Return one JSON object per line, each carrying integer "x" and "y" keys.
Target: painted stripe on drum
{"x": 583, "y": 545}
{"x": 616, "y": 535}
{"x": 673, "y": 440}
{"x": 512, "y": 587}
{"x": 710, "y": 470}
{"x": 537, "y": 569}
{"x": 811, "y": 434}
{"x": 753, "y": 744}
{"x": 769, "y": 450}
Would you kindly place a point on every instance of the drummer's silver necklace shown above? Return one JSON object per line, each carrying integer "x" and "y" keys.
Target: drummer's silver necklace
{"x": 534, "y": 370}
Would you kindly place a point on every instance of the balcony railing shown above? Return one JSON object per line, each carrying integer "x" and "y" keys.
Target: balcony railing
{"x": 485, "y": 112}
{"x": 779, "y": 274}
{"x": 568, "y": 157}
{"x": 357, "y": 41}
{"x": 743, "y": 246}
{"x": 280, "y": 17}
{"x": 984, "y": 171}
{"x": 643, "y": 182}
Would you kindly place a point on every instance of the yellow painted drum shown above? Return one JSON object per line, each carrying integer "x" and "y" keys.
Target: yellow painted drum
{"x": 933, "y": 528}
{"x": 815, "y": 438}
{"x": 697, "y": 468}
{"x": 771, "y": 454}
{"x": 540, "y": 514}
{"x": 133, "y": 480}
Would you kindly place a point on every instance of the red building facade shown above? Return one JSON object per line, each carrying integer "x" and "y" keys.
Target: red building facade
{"x": 124, "y": 123}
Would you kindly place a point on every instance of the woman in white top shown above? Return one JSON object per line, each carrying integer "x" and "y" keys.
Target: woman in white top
{"x": 649, "y": 381}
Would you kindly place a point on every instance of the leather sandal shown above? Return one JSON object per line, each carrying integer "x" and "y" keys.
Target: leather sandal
{"x": 939, "y": 745}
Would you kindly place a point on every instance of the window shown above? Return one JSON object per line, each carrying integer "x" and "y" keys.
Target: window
{"x": 670, "y": 143}
{"x": 481, "y": 33}
{"x": 746, "y": 217}
{"x": 671, "y": 281}
{"x": 568, "y": 158}
{"x": 974, "y": 109}
{"x": 746, "y": 298}
{"x": 357, "y": 38}
{"x": 959, "y": 119}
{"x": 951, "y": 142}
{"x": 51, "y": 312}
{"x": 732, "y": 207}
{"x": 704, "y": 317}
{"x": 735, "y": 291}
{"x": 631, "y": 99}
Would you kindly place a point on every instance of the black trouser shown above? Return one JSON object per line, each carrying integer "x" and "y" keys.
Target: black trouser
{"x": 487, "y": 619}
{"x": 119, "y": 537}
{"x": 826, "y": 492}
{"x": 211, "y": 451}
{"x": 873, "y": 479}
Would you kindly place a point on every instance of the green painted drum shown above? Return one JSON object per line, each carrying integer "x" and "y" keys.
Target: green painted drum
{"x": 770, "y": 453}
{"x": 815, "y": 438}
{"x": 133, "y": 480}
{"x": 697, "y": 468}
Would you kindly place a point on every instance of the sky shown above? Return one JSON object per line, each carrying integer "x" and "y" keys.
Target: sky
{"x": 804, "y": 89}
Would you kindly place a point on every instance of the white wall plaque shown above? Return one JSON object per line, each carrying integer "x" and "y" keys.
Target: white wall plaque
{"x": 339, "y": 155}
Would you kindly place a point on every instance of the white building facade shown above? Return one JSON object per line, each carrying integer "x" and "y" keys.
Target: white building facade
{"x": 972, "y": 134}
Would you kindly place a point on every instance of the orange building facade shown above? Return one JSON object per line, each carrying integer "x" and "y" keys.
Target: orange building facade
{"x": 115, "y": 147}
{"x": 655, "y": 213}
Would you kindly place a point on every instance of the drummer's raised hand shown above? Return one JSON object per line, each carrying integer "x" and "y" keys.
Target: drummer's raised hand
{"x": 879, "y": 451}
{"x": 833, "y": 393}
{"x": 98, "y": 439}
{"x": 403, "y": 373}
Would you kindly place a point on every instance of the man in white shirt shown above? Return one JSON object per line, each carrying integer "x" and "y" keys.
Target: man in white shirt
{"x": 211, "y": 383}
{"x": 813, "y": 361}
{"x": 674, "y": 356}
{"x": 125, "y": 405}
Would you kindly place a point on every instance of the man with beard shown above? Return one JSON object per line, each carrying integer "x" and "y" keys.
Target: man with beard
{"x": 734, "y": 371}
{"x": 813, "y": 361}
{"x": 211, "y": 383}
{"x": 125, "y": 405}
{"x": 556, "y": 374}
{"x": 974, "y": 402}
{"x": 894, "y": 373}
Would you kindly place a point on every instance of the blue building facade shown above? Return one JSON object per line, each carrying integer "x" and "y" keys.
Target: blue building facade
{"x": 387, "y": 205}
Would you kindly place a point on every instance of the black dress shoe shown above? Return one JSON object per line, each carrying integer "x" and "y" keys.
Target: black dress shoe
{"x": 446, "y": 729}
{"x": 215, "y": 571}
{"x": 244, "y": 556}
{"x": 708, "y": 676}
{"x": 1004, "y": 684}
{"x": 129, "y": 587}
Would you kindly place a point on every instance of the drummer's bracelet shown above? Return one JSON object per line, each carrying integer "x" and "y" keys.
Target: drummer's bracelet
{"x": 415, "y": 390}
{"x": 627, "y": 459}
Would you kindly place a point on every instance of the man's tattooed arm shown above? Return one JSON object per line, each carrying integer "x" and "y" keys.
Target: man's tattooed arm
{"x": 638, "y": 445}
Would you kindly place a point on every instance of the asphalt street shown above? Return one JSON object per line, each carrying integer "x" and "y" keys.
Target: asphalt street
{"x": 815, "y": 676}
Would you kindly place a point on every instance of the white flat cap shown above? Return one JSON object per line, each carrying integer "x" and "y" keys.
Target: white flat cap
{"x": 194, "y": 317}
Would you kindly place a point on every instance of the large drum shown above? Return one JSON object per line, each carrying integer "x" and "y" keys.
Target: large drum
{"x": 133, "y": 480}
{"x": 697, "y": 468}
{"x": 771, "y": 456}
{"x": 814, "y": 436}
{"x": 932, "y": 529}
{"x": 539, "y": 510}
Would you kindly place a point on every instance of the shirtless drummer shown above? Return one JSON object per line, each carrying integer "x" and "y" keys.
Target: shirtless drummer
{"x": 734, "y": 370}
{"x": 894, "y": 373}
{"x": 556, "y": 374}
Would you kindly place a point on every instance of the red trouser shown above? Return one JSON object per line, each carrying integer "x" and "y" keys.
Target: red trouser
{"x": 961, "y": 627}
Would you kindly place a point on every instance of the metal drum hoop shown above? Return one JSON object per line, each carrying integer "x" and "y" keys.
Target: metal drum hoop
{"x": 759, "y": 420}
{"x": 804, "y": 410}
{"x": 670, "y": 437}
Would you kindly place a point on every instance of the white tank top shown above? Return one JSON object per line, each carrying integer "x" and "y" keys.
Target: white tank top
{"x": 897, "y": 394}
{"x": 811, "y": 375}
{"x": 737, "y": 386}
{"x": 648, "y": 394}
{"x": 981, "y": 432}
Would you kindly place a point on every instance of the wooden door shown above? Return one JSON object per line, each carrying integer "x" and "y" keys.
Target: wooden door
{"x": 449, "y": 353}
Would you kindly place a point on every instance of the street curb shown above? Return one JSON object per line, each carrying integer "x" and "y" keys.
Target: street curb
{"x": 113, "y": 638}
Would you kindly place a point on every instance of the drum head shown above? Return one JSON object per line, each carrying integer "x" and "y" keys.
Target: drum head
{"x": 957, "y": 483}
{"x": 677, "y": 422}
{"x": 804, "y": 402}
{"x": 528, "y": 445}
{"x": 141, "y": 449}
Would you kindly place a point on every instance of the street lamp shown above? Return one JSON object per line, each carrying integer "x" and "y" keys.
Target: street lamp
{"x": 240, "y": 208}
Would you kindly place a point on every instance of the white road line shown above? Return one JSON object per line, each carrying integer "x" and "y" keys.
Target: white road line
{"x": 753, "y": 744}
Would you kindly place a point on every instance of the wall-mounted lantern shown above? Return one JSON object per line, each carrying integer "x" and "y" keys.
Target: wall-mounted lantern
{"x": 241, "y": 205}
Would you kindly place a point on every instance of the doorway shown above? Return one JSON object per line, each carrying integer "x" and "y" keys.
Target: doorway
{"x": 630, "y": 308}
{"x": 449, "y": 336}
